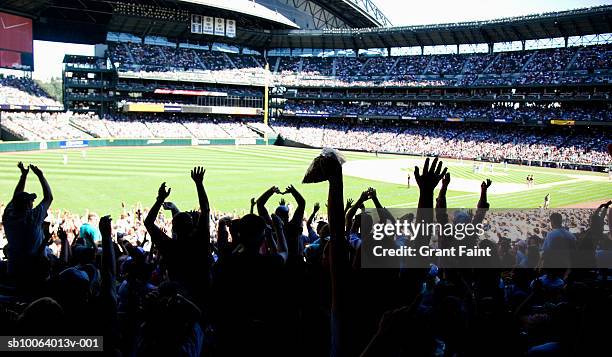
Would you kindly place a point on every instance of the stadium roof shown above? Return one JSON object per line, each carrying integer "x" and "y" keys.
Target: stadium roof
{"x": 245, "y": 7}
{"x": 580, "y": 22}
{"x": 357, "y": 13}
{"x": 57, "y": 20}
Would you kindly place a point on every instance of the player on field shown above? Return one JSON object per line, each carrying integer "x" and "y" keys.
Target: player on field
{"x": 547, "y": 200}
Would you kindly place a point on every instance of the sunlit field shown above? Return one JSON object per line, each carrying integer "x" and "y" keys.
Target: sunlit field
{"x": 100, "y": 179}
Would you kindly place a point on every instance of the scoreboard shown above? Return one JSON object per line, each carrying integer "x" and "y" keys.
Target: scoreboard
{"x": 16, "y": 47}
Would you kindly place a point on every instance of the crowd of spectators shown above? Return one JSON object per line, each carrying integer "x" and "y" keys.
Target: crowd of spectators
{"x": 597, "y": 57}
{"x": 428, "y": 138}
{"x": 23, "y": 91}
{"x": 186, "y": 64}
{"x": 293, "y": 282}
{"x": 42, "y": 125}
{"x": 533, "y": 67}
{"x": 487, "y": 112}
{"x": 463, "y": 141}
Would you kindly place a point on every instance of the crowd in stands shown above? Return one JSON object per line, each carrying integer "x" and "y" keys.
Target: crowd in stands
{"x": 547, "y": 66}
{"x": 149, "y": 126}
{"x": 462, "y": 141}
{"x": 23, "y": 91}
{"x": 281, "y": 280}
{"x": 42, "y": 125}
{"x": 466, "y": 111}
{"x": 533, "y": 67}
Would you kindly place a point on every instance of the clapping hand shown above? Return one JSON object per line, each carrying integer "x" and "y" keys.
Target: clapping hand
{"x": 35, "y": 170}
{"x": 162, "y": 193}
{"x": 24, "y": 170}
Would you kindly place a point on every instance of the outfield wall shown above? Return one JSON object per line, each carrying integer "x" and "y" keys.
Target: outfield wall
{"x": 12, "y": 146}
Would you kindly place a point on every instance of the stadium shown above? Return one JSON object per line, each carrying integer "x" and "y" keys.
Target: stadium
{"x": 514, "y": 115}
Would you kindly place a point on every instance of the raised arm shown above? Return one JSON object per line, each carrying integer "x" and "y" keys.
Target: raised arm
{"x": 261, "y": 204}
{"x": 427, "y": 182}
{"x": 281, "y": 242}
{"x": 108, "y": 270}
{"x": 65, "y": 249}
{"x": 22, "y": 179}
{"x": 384, "y": 213}
{"x": 197, "y": 175}
{"x": 484, "y": 186}
{"x": 298, "y": 215}
{"x": 47, "y": 195}
{"x": 315, "y": 209}
{"x": 350, "y": 213}
{"x": 156, "y": 234}
{"x": 441, "y": 212}
{"x": 483, "y": 203}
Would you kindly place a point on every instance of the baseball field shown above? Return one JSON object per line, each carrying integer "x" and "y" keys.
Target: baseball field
{"x": 100, "y": 179}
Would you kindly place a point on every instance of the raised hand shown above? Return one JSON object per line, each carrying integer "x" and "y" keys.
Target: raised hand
{"x": 61, "y": 234}
{"x": 290, "y": 189}
{"x": 36, "y": 170}
{"x": 275, "y": 189}
{"x": 197, "y": 174}
{"x": 365, "y": 195}
{"x": 431, "y": 176}
{"x": 372, "y": 192}
{"x": 105, "y": 226}
{"x": 485, "y": 184}
{"x": 282, "y": 202}
{"x": 349, "y": 203}
{"x": 446, "y": 179}
{"x": 24, "y": 171}
{"x": 162, "y": 193}
{"x": 316, "y": 207}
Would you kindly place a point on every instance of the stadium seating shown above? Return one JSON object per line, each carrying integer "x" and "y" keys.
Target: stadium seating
{"x": 41, "y": 126}
{"x": 23, "y": 91}
{"x": 449, "y": 140}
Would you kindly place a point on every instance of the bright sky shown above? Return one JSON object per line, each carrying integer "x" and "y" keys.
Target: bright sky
{"x": 48, "y": 55}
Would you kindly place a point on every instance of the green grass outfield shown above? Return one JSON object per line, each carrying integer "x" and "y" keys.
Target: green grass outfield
{"x": 107, "y": 176}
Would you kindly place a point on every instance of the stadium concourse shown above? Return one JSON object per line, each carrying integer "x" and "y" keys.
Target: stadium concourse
{"x": 215, "y": 179}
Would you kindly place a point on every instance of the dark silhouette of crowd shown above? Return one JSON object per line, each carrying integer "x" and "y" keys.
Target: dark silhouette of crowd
{"x": 203, "y": 285}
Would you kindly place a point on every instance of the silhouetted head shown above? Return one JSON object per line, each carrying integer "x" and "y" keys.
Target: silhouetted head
{"x": 41, "y": 316}
{"x": 556, "y": 220}
{"x": 252, "y": 231}
{"x": 282, "y": 212}
{"x": 182, "y": 225}
{"x": 23, "y": 201}
{"x": 324, "y": 231}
